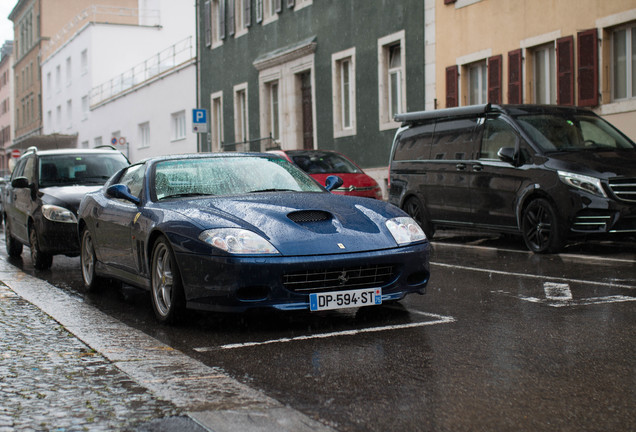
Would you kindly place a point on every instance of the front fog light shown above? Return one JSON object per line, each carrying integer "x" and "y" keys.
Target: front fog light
{"x": 405, "y": 230}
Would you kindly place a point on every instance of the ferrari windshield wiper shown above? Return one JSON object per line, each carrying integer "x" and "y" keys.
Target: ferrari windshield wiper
{"x": 186, "y": 194}
{"x": 272, "y": 190}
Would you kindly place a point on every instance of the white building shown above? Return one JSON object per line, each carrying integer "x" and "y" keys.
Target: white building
{"x": 134, "y": 83}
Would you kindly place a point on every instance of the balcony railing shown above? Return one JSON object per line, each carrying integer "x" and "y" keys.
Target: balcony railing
{"x": 178, "y": 54}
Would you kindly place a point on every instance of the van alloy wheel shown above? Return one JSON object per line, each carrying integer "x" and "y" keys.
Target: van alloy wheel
{"x": 541, "y": 227}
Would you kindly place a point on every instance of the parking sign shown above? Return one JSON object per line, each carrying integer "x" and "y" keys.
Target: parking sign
{"x": 199, "y": 120}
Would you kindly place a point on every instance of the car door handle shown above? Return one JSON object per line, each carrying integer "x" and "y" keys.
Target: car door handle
{"x": 477, "y": 167}
{"x": 460, "y": 166}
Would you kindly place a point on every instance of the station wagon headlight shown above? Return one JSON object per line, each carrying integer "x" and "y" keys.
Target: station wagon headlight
{"x": 58, "y": 214}
{"x": 237, "y": 241}
{"x": 586, "y": 183}
{"x": 405, "y": 230}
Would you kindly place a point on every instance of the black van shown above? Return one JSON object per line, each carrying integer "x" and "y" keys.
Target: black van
{"x": 548, "y": 173}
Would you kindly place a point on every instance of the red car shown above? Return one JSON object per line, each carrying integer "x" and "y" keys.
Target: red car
{"x": 320, "y": 164}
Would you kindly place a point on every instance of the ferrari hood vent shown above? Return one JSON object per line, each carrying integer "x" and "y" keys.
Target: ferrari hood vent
{"x": 308, "y": 216}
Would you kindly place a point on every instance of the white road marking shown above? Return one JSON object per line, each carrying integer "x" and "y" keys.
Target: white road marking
{"x": 438, "y": 319}
{"x": 557, "y": 291}
{"x": 533, "y": 276}
{"x": 572, "y": 302}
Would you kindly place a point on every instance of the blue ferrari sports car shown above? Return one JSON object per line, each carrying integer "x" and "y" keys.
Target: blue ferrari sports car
{"x": 234, "y": 231}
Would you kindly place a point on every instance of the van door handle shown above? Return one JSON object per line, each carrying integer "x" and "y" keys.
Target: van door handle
{"x": 460, "y": 166}
{"x": 477, "y": 167}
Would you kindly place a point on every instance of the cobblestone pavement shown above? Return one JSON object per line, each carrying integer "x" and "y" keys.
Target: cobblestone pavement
{"x": 51, "y": 381}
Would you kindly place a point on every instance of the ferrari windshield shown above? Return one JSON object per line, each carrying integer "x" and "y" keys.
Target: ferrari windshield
{"x": 575, "y": 132}
{"x": 229, "y": 176}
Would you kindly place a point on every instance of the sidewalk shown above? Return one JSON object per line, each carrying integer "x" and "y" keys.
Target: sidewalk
{"x": 66, "y": 366}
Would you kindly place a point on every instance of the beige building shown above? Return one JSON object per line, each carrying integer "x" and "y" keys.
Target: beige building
{"x": 40, "y": 26}
{"x": 6, "y": 103}
{"x": 567, "y": 52}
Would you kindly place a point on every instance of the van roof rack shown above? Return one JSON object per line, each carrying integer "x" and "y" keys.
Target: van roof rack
{"x": 423, "y": 116}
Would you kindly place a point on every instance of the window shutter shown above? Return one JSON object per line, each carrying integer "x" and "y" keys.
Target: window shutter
{"x": 248, "y": 13}
{"x": 565, "y": 70}
{"x": 452, "y": 95}
{"x": 515, "y": 90}
{"x": 207, "y": 30}
{"x": 230, "y": 16}
{"x": 290, "y": 3}
{"x": 279, "y": 5}
{"x": 494, "y": 79}
{"x": 222, "y": 19}
{"x": 587, "y": 57}
{"x": 259, "y": 11}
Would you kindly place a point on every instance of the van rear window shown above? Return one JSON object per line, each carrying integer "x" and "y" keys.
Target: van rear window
{"x": 414, "y": 143}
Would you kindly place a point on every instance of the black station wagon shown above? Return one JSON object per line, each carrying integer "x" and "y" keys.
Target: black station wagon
{"x": 547, "y": 173}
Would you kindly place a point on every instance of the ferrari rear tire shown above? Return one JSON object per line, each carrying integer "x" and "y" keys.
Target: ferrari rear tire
{"x": 168, "y": 299}
{"x": 41, "y": 260}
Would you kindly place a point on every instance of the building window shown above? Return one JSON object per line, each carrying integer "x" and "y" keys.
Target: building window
{"x": 84, "y": 107}
{"x": 69, "y": 113}
{"x": 84, "y": 61}
{"x": 218, "y": 22}
{"x": 242, "y": 16}
{"x": 299, "y": 4}
{"x": 391, "y": 74}
{"x": 58, "y": 118}
{"x": 144, "y": 134}
{"x": 344, "y": 93}
{"x": 624, "y": 63}
{"x": 271, "y": 9}
{"x": 273, "y": 109}
{"x": 216, "y": 122}
{"x": 241, "y": 132}
{"x": 544, "y": 71}
{"x": 97, "y": 142}
{"x": 69, "y": 72}
{"x": 58, "y": 78}
{"x": 178, "y": 122}
{"x": 477, "y": 83}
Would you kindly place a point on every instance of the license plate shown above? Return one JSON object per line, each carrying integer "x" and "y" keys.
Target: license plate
{"x": 345, "y": 299}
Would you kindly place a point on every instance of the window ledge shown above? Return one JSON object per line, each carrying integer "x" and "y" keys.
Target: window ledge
{"x": 618, "y": 107}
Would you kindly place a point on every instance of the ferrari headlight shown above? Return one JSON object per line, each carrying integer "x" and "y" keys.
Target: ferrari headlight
{"x": 405, "y": 230}
{"x": 237, "y": 241}
{"x": 586, "y": 183}
{"x": 58, "y": 214}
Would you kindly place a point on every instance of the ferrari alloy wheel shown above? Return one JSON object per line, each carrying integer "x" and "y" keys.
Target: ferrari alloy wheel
{"x": 88, "y": 262}
{"x": 414, "y": 208}
{"x": 14, "y": 247}
{"x": 41, "y": 260}
{"x": 167, "y": 290}
{"x": 540, "y": 227}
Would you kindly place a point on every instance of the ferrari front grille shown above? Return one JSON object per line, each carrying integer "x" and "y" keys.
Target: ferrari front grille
{"x": 339, "y": 278}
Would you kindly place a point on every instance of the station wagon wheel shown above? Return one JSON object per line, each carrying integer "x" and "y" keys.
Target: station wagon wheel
{"x": 541, "y": 227}
{"x": 14, "y": 247}
{"x": 166, "y": 286}
{"x": 88, "y": 262}
{"x": 41, "y": 260}
{"x": 414, "y": 207}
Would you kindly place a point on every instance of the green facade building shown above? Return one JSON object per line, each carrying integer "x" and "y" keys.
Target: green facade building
{"x": 320, "y": 74}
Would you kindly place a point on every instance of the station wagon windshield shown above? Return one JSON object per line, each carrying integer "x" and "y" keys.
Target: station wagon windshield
{"x": 555, "y": 133}
{"x": 79, "y": 169}
{"x": 229, "y": 176}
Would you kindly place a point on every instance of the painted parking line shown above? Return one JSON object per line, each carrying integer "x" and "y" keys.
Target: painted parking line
{"x": 436, "y": 319}
{"x": 610, "y": 284}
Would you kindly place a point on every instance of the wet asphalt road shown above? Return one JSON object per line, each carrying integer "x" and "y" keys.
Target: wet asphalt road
{"x": 503, "y": 340}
